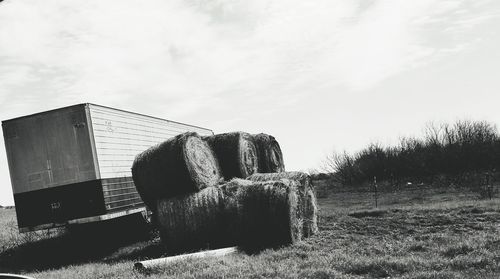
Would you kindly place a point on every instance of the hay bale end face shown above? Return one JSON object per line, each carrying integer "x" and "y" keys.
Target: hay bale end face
{"x": 192, "y": 221}
{"x": 202, "y": 165}
{"x": 307, "y": 202}
{"x": 269, "y": 153}
{"x": 236, "y": 153}
{"x": 179, "y": 165}
{"x": 310, "y": 214}
{"x": 263, "y": 214}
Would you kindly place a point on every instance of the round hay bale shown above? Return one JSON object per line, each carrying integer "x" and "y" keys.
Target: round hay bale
{"x": 182, "y": 164}
{"x": 236, "y": 153}
{"x": 262, "y": 214}
{"x": 191, "y": 221}
{"x": 304, "y": 186}
{"x": 304, "y": 179}
{"x": 269, "y": 153}
{"x": 310, "y": 214}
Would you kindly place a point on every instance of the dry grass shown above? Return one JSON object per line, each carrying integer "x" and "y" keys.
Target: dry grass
{"x": 441, "y": 236}
{"x": 303, "y": 178}
{"x": 58, "y": 248}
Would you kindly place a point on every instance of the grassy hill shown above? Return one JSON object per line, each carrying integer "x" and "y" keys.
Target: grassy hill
{"x": 427, "y": 236}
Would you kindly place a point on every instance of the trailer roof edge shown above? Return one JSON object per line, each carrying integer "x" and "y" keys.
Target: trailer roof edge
{"x": 159, "y": 118}
{"x": 92, "y": 104}
{"x": 41, "y": 112}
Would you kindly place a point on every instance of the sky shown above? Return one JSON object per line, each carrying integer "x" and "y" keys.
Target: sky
{"x": 321, "y": 76}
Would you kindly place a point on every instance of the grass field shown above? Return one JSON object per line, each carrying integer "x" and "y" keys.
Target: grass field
{"x": 412, "y": 235}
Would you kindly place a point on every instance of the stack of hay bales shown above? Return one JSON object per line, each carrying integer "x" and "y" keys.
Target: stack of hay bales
{"x": 182, "y": 182}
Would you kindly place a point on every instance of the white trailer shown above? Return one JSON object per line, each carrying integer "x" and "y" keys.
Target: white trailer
{"x": 73, "y": 164}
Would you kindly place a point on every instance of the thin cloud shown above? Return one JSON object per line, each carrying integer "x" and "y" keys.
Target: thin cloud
{"x": 95, "y": 50}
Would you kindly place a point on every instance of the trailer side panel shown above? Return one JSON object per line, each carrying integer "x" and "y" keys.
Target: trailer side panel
{"x": 119, "y": 136}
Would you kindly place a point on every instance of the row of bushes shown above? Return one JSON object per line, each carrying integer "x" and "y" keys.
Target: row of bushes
{"x": 451, "y": 150}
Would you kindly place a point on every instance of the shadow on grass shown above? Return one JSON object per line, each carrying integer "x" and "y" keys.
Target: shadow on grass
{"x": 380, "y": 268}
{"x": 109, "y": 242}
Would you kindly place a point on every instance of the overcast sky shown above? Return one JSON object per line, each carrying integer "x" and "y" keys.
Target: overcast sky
{"x": 319, "y": 75}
